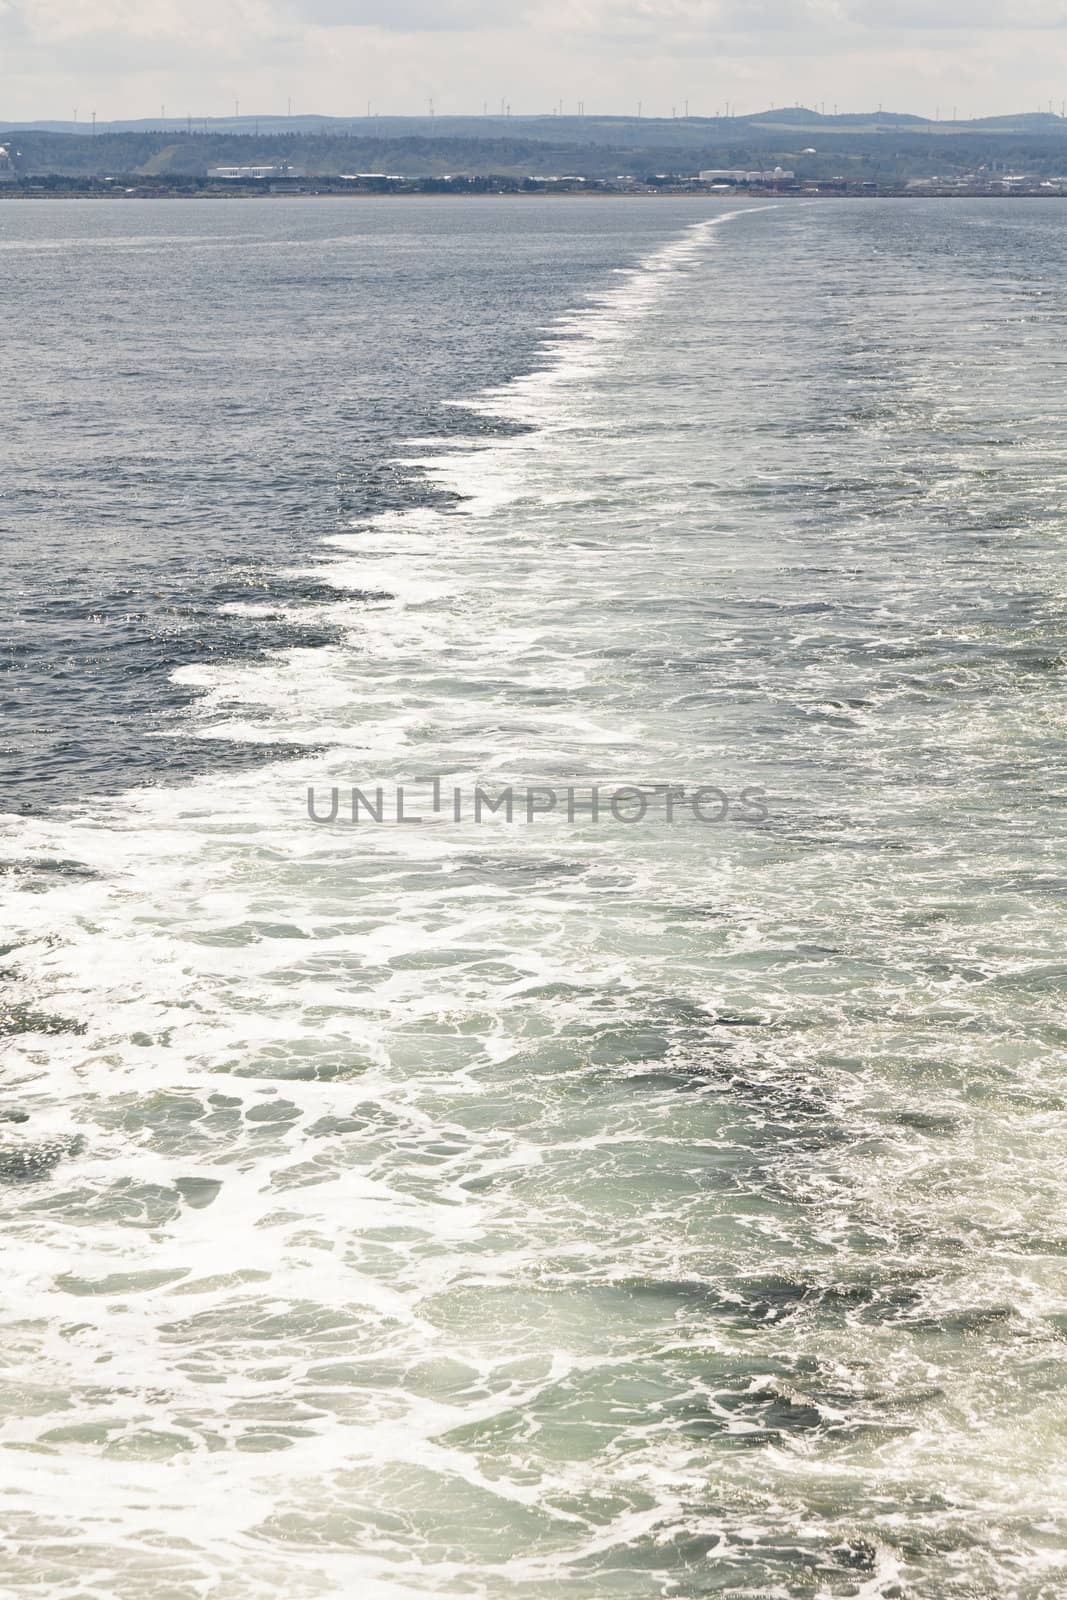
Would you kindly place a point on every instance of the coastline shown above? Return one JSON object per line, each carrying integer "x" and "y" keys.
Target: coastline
{"x": 110, "y": 194}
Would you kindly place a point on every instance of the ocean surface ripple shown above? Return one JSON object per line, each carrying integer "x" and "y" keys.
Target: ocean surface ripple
{"x": 564, "y": 1208}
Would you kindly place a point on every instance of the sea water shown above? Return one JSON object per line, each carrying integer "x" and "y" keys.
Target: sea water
{"x": 665, "y": 1200}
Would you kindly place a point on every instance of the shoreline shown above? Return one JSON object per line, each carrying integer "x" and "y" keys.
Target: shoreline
{"x": 111, "y": 195}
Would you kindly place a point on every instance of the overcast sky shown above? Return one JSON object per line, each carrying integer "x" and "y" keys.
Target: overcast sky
{"x": 127, "y": 58}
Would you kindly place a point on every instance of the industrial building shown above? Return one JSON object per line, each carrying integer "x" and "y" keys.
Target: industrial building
{"x": 237, "y": 174}
{"x": 743, "y": 175}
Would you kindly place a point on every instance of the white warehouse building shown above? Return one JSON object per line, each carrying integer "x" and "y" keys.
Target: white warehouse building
{"x": 283, "y": 170}
{"x": 744, "y": 175}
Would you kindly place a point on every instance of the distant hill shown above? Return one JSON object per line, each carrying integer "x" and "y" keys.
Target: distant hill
{"x": 628, "y": 130}
{"x": 162, "y": 154}
{"x": 802, "y": 117}
{"x": 884, "y": 150}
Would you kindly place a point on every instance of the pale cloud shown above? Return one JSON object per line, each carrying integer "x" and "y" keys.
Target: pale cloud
{"x": 968, "y": 15}
{"x": 413, "y": 16}
{"x": 127, "y": 57}
{"x": 193, "y": 22}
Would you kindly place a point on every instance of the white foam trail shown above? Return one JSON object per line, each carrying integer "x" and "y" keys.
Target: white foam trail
{"x": 423, "y": 558}
{"x": 169, "y": 958}
{"x": 527, "y": 1162}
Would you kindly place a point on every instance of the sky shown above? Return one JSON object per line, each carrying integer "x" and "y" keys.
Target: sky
{"x": 131, "y": 58}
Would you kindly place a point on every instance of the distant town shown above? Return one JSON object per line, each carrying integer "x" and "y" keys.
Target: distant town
{"x": 238, "y": 182}
{"x": 788, "y": 151}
